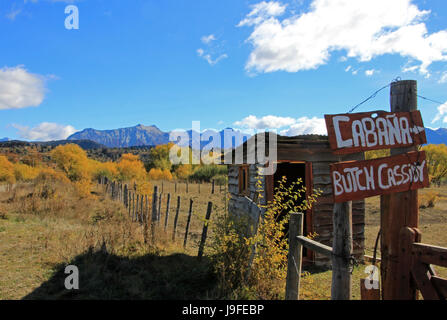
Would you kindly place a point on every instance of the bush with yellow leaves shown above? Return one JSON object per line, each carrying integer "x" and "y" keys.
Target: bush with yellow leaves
{"x": 260, "y": 276}
{"x": 6, "y": 171}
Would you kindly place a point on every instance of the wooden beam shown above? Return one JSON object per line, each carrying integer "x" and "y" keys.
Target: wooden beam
{"x": 341, "y": 288}
{"x": 294, "y": 257}
{"x": 315, "y": 246}
{"x": 400, "y": 209}
{"x": 430, "y": 254}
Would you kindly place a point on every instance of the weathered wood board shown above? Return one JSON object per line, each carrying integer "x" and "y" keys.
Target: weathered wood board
{"x": 353, "y": 180}
{"x": 357, "y": 132}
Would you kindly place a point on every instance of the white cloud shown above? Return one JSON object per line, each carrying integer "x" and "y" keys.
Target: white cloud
{"x": 266, "y": 122}
{"x": 45, "y": 131}
{"x": 208, "y": 39}
{"x": 348, "y": 68}
{"x": 13, "y": 14}
{"x": 442, "y": 112}
{"x": 364, "y": 29}
{"x": 213, "y": 50}
{"x": 443, "y": 78}
{"x": 306, "y": 125}
{"x": 20, "y": 89}
{"x": 369, "y": 73}
{"x": 290, "y": 126}
{"x": 208, "y": 57}
{"x": 263, "y": 11}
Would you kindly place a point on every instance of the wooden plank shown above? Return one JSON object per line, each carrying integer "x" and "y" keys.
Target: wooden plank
{"x": 440, "y": 285}
{"x": 353, "y": 180}
{"x": 177, "y": 210}
{"x": 430, "y": 254}
{"x": 341, "y": 288}
{"x": 399, "y": 209}
{"x": 187, "y": 223}
{"x": 422, "y": 277}
{"x": 294, "y": 258}
{"x": 359, "y": 132}
{"x": 406, "y": 239}
{"x": 368, "y": 294}
{"x": 168, "y": 202}
{"x": 205, "y": 230}
{"x": 315, "y": 246}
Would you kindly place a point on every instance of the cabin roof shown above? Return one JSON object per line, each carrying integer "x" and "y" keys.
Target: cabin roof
{"x": 309, "y": 147}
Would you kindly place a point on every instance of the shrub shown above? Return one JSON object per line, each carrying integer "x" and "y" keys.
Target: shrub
{"x": 130, "y": 168}
{"x": 232, "y": 245}
{"x": 205, "y": 173}
{"x": 25, "y": 172}
{"x": 6, "y": 171}
{"x": 428, "y": 199}
{"x": 183, "y": 171}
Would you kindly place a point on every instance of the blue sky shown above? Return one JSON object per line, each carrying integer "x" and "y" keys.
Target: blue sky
{"x": 226, "y": 63}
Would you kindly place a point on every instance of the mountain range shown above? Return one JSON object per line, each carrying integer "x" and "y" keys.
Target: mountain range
{"x": 141, "y": 135}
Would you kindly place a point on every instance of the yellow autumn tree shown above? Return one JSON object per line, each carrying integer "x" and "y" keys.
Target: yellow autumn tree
{"x": 131, "y": 168}
{"x": 73, "y": 161}
{"x": 155, "y": 174}
{"x": 436, "y": 162}
{"x": 105, "y": 169}
{"x": 183, "y": 171}
{"x": 6, "y": 171}
{"x": 25, "y": 172}
{"x": 166, "y": 175}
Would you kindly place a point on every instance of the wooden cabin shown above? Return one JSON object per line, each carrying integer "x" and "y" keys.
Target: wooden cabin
{"x": 307, "y": 157}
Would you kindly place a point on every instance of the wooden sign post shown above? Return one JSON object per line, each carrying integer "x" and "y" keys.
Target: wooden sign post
{"x": 398, "y": 210}
{"x": 396, "y": 178}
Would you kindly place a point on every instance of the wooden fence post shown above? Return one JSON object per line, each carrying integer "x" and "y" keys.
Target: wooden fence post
{"x": 133, "y": 206}
{"x": 137, "y": 208}
{"x": 399, "y": 209}
{"x": 140, "y": 217}
{"x": 205, "y": 230}
{"x": 130, "y": 203}
{"x": 146, "y": 212}
{"x": 167, "y": 210}
{"x": 186, "y": 186}
{"x": 407, "y": 237}
{"x": 154, "y": 212}
{"x": 175, "y": 187}
{"x": 187, "y": 223}
{"x": 126, "y": 196}
{"x": 212, "y": 187}
{"x": 294, "y": 258}
{"x": 176, "y": 217}
{"x": 159, "y": 208}
{"x": 341, "y": 251}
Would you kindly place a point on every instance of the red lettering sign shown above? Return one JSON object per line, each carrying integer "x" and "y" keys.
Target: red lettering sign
{"x": 357, "y": 132}
{"x": 353, "y": 180}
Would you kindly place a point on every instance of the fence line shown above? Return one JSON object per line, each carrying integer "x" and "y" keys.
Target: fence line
{"x": 137, "y": 206}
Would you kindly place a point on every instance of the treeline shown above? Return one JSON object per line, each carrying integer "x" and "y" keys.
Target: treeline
{"x": 69, "y": 162}
{"x": 159, "y": 167}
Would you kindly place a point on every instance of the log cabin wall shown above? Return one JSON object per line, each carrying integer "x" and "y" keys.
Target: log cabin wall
{"x": 314, "y": 149}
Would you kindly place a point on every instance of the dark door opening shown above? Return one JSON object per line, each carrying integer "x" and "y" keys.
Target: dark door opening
{"x": 294, "y": 171}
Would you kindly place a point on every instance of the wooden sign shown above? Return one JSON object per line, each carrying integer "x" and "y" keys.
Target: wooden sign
{"x": 357, "y": 132}
{"x": 354, "y": 180}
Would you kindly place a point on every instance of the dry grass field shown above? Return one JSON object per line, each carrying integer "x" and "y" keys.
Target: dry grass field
{"x": 39, "y": 237}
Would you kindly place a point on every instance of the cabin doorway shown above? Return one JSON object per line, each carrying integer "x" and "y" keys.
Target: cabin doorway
{"x": 293, "y": 171}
